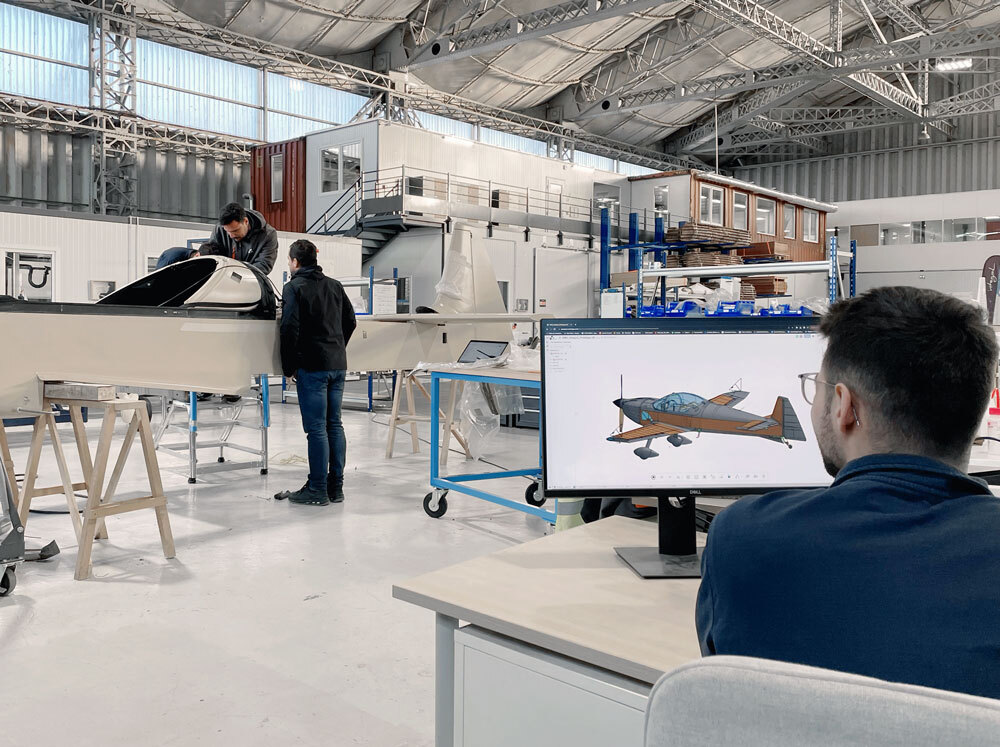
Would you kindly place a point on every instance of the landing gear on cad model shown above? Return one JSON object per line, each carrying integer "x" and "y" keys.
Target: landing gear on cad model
{"x": 533, "y": 496}
{"x": 644, "y": 452}
{"x": 435, "y": 504}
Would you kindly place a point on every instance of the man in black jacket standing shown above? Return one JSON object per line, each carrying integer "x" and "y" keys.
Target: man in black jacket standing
{"x": 246, "y": 236}
{"x": 317, "y": 320}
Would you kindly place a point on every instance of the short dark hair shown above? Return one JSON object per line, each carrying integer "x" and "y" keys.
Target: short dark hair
{"x": 232, "y": 212}
{"x": 923, "y": 362}
{"x": 304, "y": 251}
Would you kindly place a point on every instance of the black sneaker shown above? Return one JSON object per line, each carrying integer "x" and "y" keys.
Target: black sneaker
{"x": 309, "y": 497}
{"x": 231, "y": 399}
{"x": 334, "y": 491}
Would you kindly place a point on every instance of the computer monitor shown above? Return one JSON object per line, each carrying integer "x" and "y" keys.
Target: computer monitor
{"x": 478, "y": 350}
{"x": 677, "y": 408}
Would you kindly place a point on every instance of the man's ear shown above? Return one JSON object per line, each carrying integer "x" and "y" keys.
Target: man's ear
{"x": 843, "y": 408}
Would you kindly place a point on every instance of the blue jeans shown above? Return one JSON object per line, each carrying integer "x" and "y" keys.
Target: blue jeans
{"x": 320, "y": 394}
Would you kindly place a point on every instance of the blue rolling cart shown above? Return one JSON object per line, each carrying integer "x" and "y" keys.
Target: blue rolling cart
{"x": 435, "y": 502}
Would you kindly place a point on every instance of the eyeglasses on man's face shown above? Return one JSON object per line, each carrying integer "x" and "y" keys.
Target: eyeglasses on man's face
{"x": 810, "y": 382}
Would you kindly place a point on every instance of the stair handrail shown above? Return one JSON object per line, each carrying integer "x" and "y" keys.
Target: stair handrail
{"x": 349, "y": 200}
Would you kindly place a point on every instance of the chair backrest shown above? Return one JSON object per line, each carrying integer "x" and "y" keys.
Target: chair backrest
{"x": 733, "y": 700}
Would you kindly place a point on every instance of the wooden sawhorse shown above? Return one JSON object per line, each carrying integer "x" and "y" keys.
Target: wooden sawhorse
{"x": 100, "y": 497}
{"x": 405, "y": 381}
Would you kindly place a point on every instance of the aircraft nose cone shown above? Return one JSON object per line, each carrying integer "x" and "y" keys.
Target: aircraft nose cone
{"x": 617, "y": 403}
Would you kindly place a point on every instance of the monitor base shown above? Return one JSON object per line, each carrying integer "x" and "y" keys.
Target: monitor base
{"x": 647, "y": 562}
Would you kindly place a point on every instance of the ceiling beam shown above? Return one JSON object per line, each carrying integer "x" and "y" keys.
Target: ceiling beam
{"x": 900, "y": 14}
{"x": 980, "y": 100}
{"x": 493, "y": 37}
{"x": 734, "y": 117}
{"x": 940, "y": 44}
{"x": 762, "y": 23}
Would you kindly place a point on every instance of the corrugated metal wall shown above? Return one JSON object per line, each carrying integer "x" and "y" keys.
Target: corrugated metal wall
{"x": 290, "y": 213}
{"x": 173, "y": 185}
{"x": 56, "y": 171}
{"x": 895, "y": 162}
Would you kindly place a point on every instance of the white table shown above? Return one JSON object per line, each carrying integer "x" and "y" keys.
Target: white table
{"x": 571, "y": 599}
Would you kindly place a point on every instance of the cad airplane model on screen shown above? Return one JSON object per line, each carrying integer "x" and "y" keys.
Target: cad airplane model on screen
{"x": 682, "y": 412}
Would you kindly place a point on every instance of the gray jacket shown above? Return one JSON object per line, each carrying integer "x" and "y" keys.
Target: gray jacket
{"x": 258, "y": 248}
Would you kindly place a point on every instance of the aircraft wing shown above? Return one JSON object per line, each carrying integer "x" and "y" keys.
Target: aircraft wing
{"x": 729, "y": 399}
{"x": 645, "y": 432}
{"x": 460, "y": 318}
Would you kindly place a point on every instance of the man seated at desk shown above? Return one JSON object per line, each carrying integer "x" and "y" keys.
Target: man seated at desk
{"x": 892, "y": 572}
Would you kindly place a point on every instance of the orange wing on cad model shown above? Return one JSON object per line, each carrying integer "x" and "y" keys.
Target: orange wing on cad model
{"x": 646, "y": 432}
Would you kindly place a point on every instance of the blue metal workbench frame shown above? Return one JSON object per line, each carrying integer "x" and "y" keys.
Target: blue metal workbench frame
{"x": 457, "y": 483}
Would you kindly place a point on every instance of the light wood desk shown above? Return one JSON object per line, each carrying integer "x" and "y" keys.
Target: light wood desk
{"x": 567, "y": 593}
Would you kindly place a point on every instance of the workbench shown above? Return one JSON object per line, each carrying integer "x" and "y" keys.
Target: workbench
{"x": 435, "y": 502}
{"x": 563, "y": 641}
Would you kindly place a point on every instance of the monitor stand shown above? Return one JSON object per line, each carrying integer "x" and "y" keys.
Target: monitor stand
{"x": 678, "y": 555}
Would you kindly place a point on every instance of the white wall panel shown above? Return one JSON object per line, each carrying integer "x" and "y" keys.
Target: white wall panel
{"x": 87, "y": 249}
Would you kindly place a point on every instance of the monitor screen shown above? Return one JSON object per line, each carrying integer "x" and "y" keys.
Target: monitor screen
{"x": 678, "y": 406}
{"x": 478, "y": 350}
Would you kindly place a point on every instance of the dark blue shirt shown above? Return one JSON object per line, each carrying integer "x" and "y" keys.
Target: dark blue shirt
{"x": 173, "y": 255}
{"x": 892, "y": 572}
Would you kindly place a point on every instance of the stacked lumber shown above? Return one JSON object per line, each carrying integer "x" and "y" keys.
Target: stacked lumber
{"x": 710, "y": 259}
{"x": 747, "y": 291}
{"x": 769, "y": 285}
{"x": 766, "y": 251}
{"x": 673, "y": 262}
{"x": 711, "y": 234}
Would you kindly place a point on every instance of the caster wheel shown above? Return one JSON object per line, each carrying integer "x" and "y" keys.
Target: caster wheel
{"x": 263, "y": 471}
{"x": 531, "y": 496}
{"x": 221, "y": 460}
{"x": 7, "y": 582}
{"x": 435, "y": 509}
{"x": 191, "y": 481}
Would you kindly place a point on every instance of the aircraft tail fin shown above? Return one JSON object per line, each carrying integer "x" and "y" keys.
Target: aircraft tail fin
{"x": 784, "y": 414}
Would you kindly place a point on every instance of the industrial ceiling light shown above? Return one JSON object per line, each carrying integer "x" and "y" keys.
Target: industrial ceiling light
{"x": 961, "y": 63}
{"x": 924, "y": 134}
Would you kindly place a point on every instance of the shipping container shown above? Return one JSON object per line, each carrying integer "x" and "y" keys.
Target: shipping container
{"x": 278, "y": 183}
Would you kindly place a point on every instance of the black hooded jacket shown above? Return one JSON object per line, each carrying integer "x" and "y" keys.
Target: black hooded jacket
{"x": 258, "y": 248}
{"x": 317, "y": 320}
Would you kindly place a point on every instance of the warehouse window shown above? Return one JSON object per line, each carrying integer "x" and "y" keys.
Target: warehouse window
{"x": 330, "y": 170}
{"x": 810, "y": 226}
{"x": 340, "y": 167}
{"x": 926, "y": 231}
{"x": 711, "y": 205}
{"x": 278, "y": 177}
{"x": 661, "y": 202}
{"x": 788, "y": 214}
{"x": 964, "y": 229}
{"x": 766, "y": 210}
{"x": 740, "y": 210}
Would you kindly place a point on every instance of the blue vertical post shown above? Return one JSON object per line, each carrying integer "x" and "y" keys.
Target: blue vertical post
{"x": 265, "y": 420}
{"x": 605, "y": 249}
{"x": 634, "y": 255}
{"x": 833, "y": 269}
{"x": 854, "y": 268}
{"x": 435, "y": 425}
{"x": 661, "y": 255}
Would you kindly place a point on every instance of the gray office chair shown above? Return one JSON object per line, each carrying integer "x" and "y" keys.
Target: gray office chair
{"x": 732, "y": 700}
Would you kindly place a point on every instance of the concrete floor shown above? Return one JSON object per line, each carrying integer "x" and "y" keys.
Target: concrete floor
{"x": 274, "y": 625}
